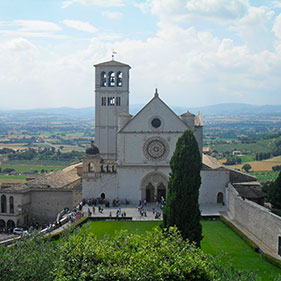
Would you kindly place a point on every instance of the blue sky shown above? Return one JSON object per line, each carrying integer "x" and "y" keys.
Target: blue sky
{"x": 196, "y": 52}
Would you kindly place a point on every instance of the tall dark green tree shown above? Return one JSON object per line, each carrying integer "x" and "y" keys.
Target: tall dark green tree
{"x": 275, "y": 193}
{"x": 182, "y": 208}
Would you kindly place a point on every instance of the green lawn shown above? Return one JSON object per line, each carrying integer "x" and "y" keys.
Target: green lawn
{"x": 218, "y": 239}
{"x": 101, "y": 228}
{"x": 247, "y": 158}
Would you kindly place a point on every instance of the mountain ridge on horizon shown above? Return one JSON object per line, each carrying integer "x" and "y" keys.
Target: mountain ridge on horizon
{"x": 216, "y": 109}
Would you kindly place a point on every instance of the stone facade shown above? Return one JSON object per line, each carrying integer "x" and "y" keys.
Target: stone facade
{"x": 140, "y": 147}
{"x": 39, "y": 200}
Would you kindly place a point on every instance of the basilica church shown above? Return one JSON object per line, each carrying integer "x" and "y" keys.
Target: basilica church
{"x": 131, "y": 155}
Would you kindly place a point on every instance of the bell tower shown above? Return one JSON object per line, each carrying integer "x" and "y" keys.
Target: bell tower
{"x": 111, "y": 98}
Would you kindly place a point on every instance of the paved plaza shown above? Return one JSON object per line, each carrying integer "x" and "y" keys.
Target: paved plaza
{"x": 132, "y": 211}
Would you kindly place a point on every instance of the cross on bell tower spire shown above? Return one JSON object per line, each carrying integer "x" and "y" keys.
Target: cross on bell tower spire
{"x": 113, "y": 54}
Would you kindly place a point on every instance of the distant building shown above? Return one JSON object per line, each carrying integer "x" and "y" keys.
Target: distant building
{"x": 237, "y": 153}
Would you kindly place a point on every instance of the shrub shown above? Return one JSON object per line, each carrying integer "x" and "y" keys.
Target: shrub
{"x": 154, "y": 255}
{"x": 32, "y": 258}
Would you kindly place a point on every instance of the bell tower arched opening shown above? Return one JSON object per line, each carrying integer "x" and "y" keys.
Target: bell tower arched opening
{"x": 103, "y": 79}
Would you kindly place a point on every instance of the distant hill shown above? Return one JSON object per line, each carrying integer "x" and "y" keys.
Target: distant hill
{"x": 238, "y": 109}
{"x": 89, "y": 112}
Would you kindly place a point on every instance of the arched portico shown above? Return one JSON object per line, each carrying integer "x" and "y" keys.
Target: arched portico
{"x": 154, "y": 186}
{"x": 2, "y": 224}
{"x": 10, "y": 224}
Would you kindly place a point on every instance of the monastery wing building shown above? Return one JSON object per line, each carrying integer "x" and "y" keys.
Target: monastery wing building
{"x": 132, "y": 153}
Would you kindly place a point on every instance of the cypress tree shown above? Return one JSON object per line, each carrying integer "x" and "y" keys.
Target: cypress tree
{"x": 182, "y": 208}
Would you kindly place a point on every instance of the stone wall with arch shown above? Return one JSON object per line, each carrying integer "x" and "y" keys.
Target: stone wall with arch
{"x": 153, "y": 186}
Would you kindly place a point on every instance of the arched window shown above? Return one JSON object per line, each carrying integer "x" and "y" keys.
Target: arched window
{"x": 3, "y": 204}
{"x": 103, "y": 79}
{"x": 220, "y": 198}
{"x": 12, "y": 209}
{"x": 111, "y": 79}
{"x": 119, "y": 79}
{"x": 90, "y": 167}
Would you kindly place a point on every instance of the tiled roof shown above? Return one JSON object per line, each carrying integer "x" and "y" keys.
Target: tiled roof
{"x": 210, "y": 162}
{"x": 250, "y": 192}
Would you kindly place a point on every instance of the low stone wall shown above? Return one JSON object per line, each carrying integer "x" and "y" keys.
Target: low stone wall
{"x": 256, "y": 219}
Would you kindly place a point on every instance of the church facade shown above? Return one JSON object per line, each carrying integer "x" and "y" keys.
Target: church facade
{"x": 135, "y": 151}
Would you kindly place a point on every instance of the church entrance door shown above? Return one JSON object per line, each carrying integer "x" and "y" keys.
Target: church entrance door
{"x": 161, "y": 192}
{"x": 153, "y": 187}
{"x": 149, "y": 193}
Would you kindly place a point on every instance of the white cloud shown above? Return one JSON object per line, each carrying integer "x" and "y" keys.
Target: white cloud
{"x": 101, "y": 3}
{"x": 17, "y": 33}
{"x": 190, "y": 68}
{"x": 18, "y": 44}
{"x": 65, "y": 4}
{"x": 112, "y": 15}
{"x": 224, "y": 9}
{"x": 277, "y": 27}
{"x": 253, "y": 28}
{"x": 250, "y": 23}
{"x": 31, "y": 28}
{"x": 180, "y": 10}
{"x": 276, "y": 4}
{"x": 80, "y": 25}
{"x": 37, "y": 25}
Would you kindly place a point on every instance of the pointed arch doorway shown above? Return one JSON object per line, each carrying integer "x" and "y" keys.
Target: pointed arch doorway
{"x": 154, "y": 186}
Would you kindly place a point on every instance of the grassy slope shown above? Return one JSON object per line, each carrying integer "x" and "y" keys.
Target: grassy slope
{"x": 218, "y": 238}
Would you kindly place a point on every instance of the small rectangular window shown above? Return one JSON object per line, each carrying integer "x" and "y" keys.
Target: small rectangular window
{"x": 118, "y": 101}
{"x": 111, "y": 101}
{"x": 103, "y": 101}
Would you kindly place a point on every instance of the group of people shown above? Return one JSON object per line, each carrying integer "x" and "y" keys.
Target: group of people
{"x": 142, "y": 208}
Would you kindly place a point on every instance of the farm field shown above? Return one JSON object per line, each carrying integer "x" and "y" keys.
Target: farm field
{"x": 276, "y": 159}
{"x": 262, "y": 170}
{"x": 218, "y": 239}
{"x": 258, "y": 166}
{"x": 21, "y": 168}
{"x": 259, "y": 146}
{"x": 11, "y": 180}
